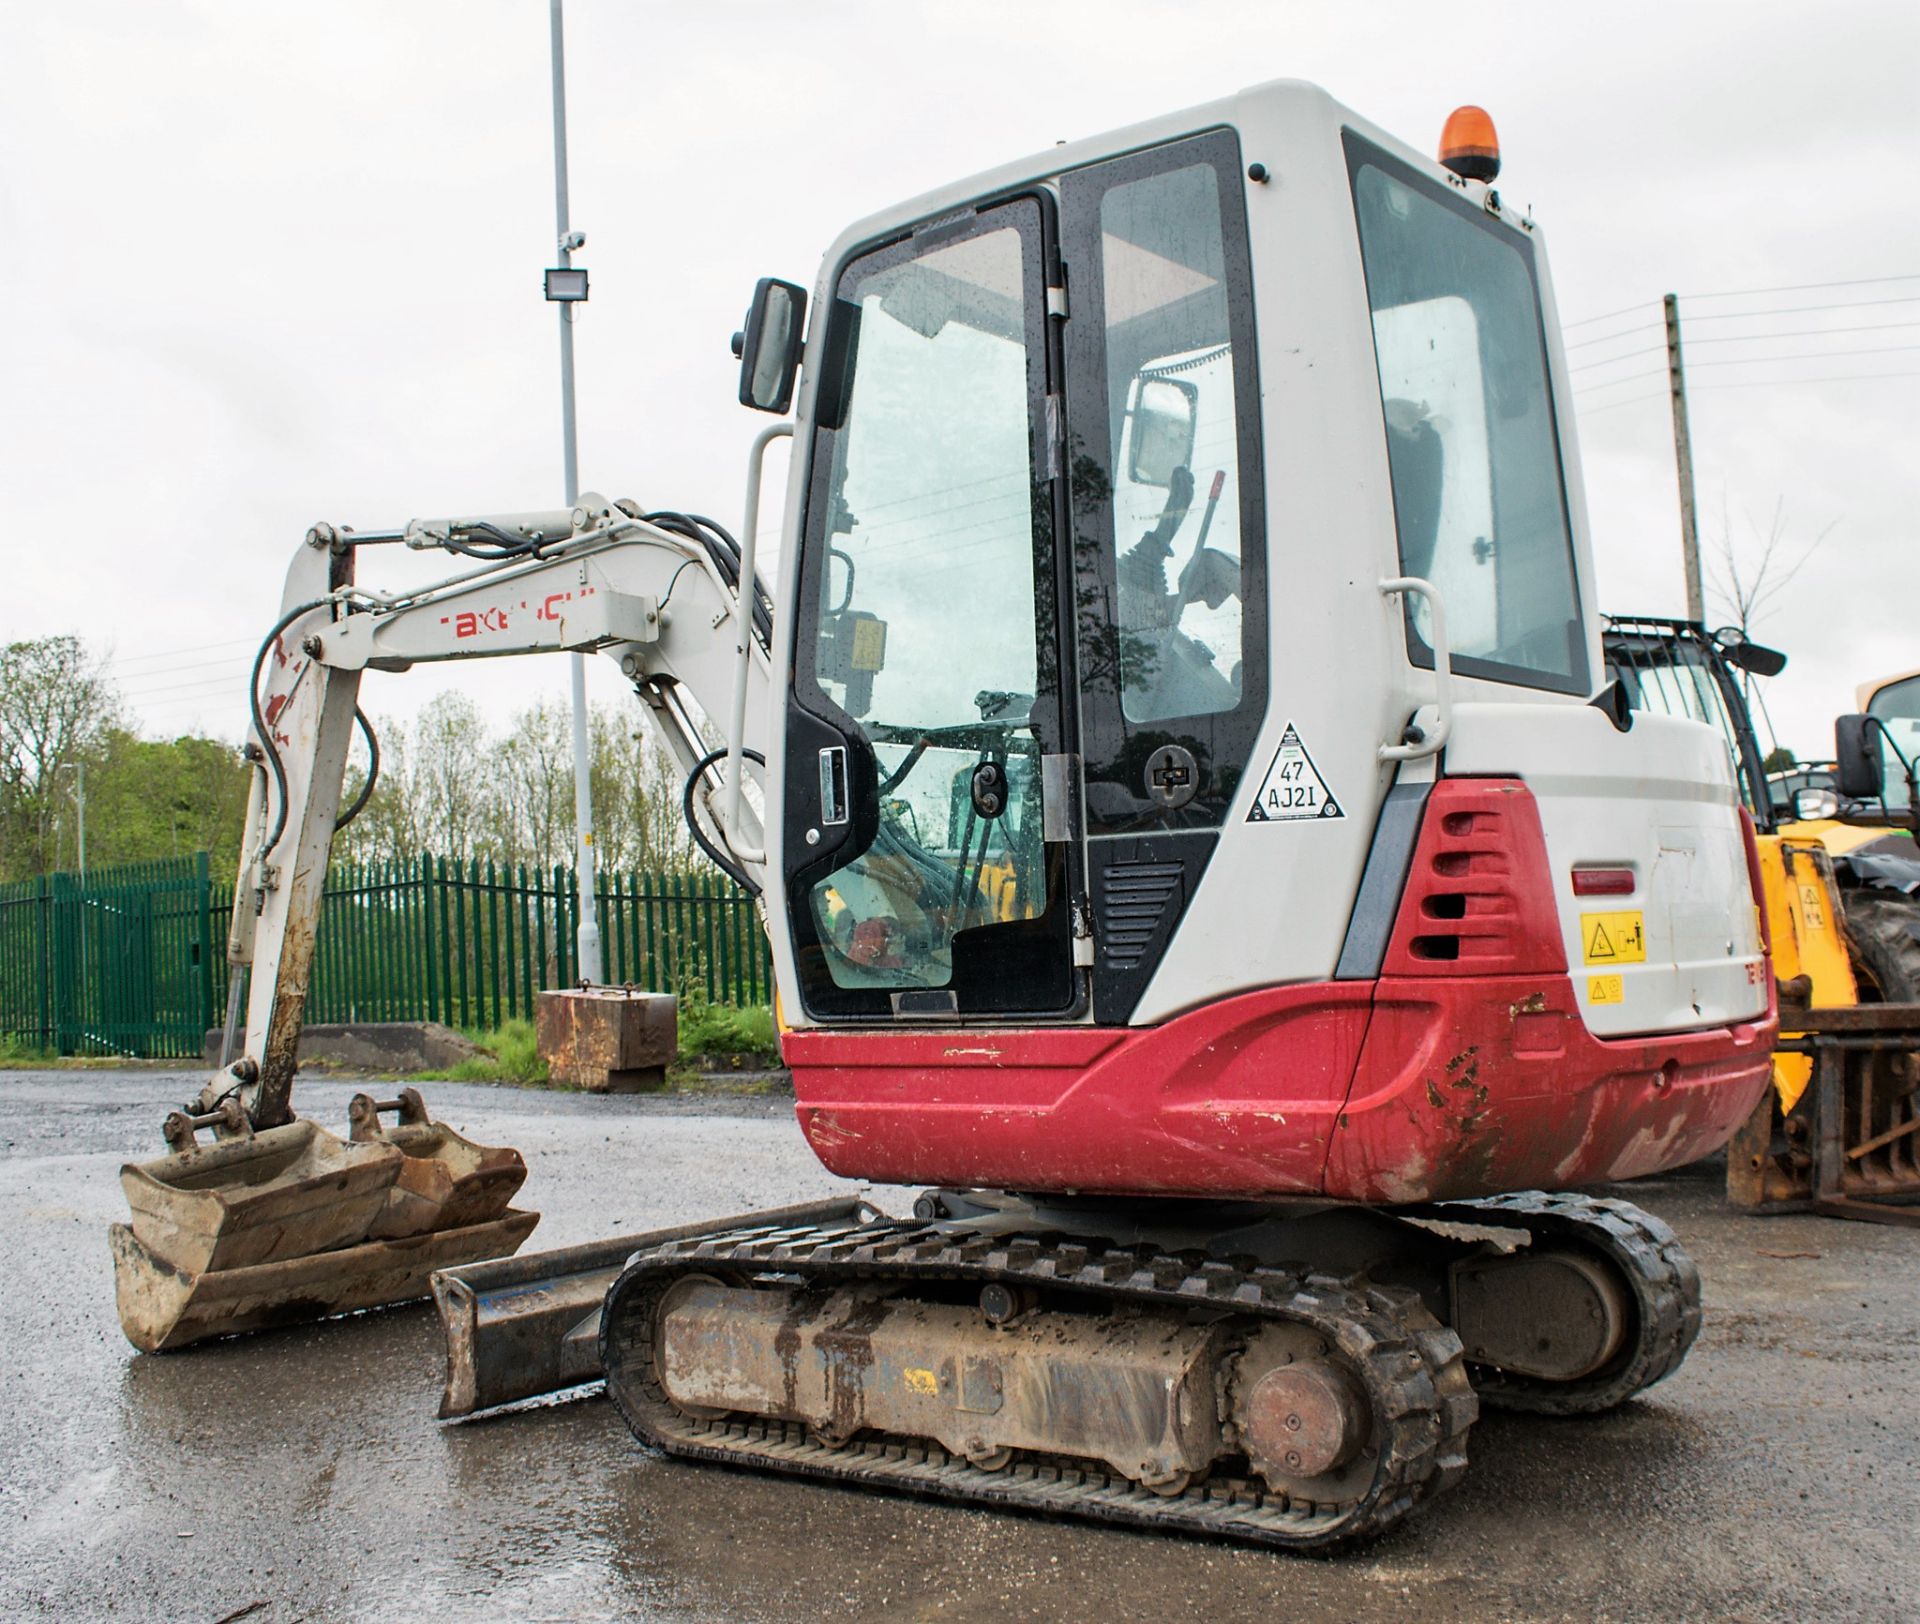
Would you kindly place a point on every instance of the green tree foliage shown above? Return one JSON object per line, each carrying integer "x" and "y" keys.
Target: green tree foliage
{"x": 152, "y": 798}
{"x": 449, "y": 785}
{"x": 1779, "y": 760}
{"x": 56, "y": 708}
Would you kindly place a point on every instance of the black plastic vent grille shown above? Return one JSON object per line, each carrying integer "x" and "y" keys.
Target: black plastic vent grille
{"x": 1135, "y": 898}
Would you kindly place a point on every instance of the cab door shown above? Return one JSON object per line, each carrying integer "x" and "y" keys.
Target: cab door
{"x": 929, "y": 830}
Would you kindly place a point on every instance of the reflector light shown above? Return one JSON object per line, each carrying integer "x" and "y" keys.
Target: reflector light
{"x": 1468, "y": 145}
{"x": 1603, "y": 882}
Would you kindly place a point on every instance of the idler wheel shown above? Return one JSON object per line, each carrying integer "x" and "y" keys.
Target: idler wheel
{"x": 1303, "y": 1420}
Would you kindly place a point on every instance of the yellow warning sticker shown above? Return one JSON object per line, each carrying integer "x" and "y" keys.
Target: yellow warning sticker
{"x": 1613, "y": 938}
{"x": 1606, "y": 989}
{"x": 921, "y": 1381}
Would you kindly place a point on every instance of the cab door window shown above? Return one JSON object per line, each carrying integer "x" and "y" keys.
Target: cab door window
{"x": 1165, "y": 477}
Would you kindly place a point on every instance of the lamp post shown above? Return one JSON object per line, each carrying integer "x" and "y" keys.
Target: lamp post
{"x": 566, "y": 286}
{"x": 79, "y": 794}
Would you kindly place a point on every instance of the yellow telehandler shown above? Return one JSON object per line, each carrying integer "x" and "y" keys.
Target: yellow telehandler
{"x": 1840, "y": 1130}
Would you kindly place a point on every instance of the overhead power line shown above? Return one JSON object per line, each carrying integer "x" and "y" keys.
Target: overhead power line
{"x": 1588, "y": 321}
{"x": 174, "y": 653}
{"x": 1807, "y": 287}
{"x": 1801, "y": 310}
{"x": 1612, "y": 338}
{"x": 1589, "y": 410}
{"x": 1730, "y": 338}
{"x": 1813, "y": 355}
{"x": 1743, "y": 360}
{"x": 1801, "y": 332}
{"x": 1648, "y": 308}
{"x": 1775, "y": 383}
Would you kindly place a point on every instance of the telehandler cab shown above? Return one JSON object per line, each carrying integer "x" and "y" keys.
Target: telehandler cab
{"x": 1191, "y": 840}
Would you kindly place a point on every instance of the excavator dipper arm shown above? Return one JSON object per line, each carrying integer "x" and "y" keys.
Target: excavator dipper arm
{"x": 596, "y": 578}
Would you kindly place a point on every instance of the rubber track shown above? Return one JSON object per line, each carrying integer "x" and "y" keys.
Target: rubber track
{"x": 1663, "y": 1279}
{"x": 1412, "y": 1366}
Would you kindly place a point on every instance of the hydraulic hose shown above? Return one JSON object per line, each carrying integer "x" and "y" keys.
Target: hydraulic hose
{"x": 260, "y": 728}
{"x": 721, "y": 860}
{"x": 725, "y": 553}
{"x": 373, "y": 772}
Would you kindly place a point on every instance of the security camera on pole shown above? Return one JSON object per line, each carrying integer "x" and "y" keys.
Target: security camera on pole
{"x": 566, "y": 286}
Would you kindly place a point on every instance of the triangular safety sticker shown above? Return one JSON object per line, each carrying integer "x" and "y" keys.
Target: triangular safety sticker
{"x": 1293, "y": 789}
{"x": 1601, "y": 947}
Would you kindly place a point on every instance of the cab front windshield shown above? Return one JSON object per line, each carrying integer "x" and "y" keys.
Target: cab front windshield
{"x": 1897, "y": 705}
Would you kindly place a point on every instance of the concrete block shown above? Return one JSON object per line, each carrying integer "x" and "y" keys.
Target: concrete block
{"x": 608, "y": 1040}
{"x": 380, "y": 1046}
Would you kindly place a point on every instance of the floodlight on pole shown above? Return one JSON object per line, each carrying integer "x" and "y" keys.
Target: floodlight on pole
{"x": 563, "y": 290}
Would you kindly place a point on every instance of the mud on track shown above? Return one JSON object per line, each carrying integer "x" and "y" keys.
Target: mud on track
{"x": 1777, "y": 1476}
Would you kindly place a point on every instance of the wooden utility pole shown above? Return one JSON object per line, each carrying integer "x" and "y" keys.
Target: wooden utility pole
{"x": 1683, "y": 461}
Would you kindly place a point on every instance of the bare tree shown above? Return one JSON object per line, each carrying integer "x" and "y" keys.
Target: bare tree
{"x": 449, "y": 786}
{"x": 1747, "y": 580}
{"x": 636, "y": 796}
{"x": 536, "y": 773}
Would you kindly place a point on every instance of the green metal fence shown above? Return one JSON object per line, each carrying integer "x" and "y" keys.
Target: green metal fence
{"x": 133, "y": 960}
{"x": 120, "y": 964}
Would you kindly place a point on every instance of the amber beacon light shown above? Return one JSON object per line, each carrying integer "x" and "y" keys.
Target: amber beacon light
{"x": 1468, "y": 145}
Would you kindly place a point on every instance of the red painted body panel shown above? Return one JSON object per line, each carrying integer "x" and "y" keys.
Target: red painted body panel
{"x": 1465, "y": 1070}
{"x": 1397, "y": 1091}
{"x": 1471, "y": 1087}
{"x": 1479, "y": 896}
{"x": 1240, "y": 1096}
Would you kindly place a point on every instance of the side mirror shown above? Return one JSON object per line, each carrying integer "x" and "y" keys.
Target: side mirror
{"x": 1810, "y": 805}
{"x": 1856, "y": 757}
{"x": 1755, "y": 657}
{"x": 769, "y": 348}
{"x": 1163, "y": 411}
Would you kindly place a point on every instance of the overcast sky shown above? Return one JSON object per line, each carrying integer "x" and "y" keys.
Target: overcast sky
{"x": 262, "y": 264}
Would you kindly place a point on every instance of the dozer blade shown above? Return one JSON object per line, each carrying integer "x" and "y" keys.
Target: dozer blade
{"x": 163, "y": 1307}
{"x": 518, "y": 1327}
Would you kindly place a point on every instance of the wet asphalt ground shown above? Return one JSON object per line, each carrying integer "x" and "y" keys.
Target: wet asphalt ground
{"x": 300, "y": 1474}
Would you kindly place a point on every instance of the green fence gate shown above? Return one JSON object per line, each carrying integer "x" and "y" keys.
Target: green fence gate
{"x": 120, "y": 962}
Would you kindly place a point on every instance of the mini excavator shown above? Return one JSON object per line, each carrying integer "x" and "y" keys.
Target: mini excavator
{"x": 1199, "y": 843}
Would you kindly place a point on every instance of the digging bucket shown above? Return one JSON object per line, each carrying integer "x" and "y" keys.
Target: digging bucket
{"x": 446, "y": 1181}
{"x": 163, "y": 1308}
{"x": 259, "y": 1198}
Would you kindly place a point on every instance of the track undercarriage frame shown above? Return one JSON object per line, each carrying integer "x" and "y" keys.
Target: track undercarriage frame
{"x": 1294, "y": 1377}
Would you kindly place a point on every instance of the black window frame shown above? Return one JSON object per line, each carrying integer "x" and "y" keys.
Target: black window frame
{"x": 1115, "y": 748}
{"x": 809, "y": 705}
